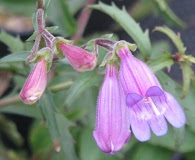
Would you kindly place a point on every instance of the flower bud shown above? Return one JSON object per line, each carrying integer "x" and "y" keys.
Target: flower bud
{"x": 80, "y": 59}
{"x": 112, "y": 124}
{"x": 35, "y": 83}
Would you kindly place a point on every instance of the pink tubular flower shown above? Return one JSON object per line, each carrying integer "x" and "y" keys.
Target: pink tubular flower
{"x": 80, "y": 59}
{"x": 35, "y": 83}
{"x": 112, "y": 125}
{"x": 148, "y": 104}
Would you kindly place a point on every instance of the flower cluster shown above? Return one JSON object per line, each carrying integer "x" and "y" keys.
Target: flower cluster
{"x": 80, "y": 59}
{"x": 131, "y": 98}
{"x": 142, "y": 105}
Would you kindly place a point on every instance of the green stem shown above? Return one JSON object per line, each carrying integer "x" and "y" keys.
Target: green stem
{"x": 9, "y": 100}
{"x": 61, "y": 86}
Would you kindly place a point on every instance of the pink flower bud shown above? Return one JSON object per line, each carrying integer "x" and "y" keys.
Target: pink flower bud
{"x": 112, "y": 124}
{"x": 80, "y": 59}
{"x": 35, "y": 83}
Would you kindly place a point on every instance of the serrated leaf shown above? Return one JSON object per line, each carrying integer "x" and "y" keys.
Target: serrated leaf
{"x": 85, "y": 81}
{"x": 149, "y": 152}
{"x": 62, "y": 17}
{"x": 161, "y": 62}
{"x": 168, "y": 14}
{"x": 15, "y": 57}
{"x": 58, "y": 127}
{"x": 176, "y": 39}
{"x": 187, "y": 74}
{"x": 129, "y": 25}
{"x": 14, "y": 43}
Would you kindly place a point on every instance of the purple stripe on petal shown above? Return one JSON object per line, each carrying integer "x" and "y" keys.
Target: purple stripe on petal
{"x": 132, "y": 99}
{"x": 174, "y": 113}
{"x": 158, "y": 125}
{"x": 139, "y": 127}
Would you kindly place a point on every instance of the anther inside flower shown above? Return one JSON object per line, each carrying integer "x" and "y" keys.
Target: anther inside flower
{"x": 148, "y": 103}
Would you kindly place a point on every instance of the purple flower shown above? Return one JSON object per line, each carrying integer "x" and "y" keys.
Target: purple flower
{"x": 148, "y": 104}
{"x": 80, "y": 59}
{"x": 35, "y": 83}
{"x": 112, "y": 124}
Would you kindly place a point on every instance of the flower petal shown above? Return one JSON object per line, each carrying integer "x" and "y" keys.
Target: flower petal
{"x": 132, "y": 99}
{"x": 158, "y": 125}
{"x": 174, "y": 113}
{"x": 139, "y": 126}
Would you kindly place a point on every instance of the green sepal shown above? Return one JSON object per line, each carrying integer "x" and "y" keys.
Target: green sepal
{"x": 45, "y": 53}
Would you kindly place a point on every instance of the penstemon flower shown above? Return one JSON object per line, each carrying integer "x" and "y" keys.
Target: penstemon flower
{"x": 148, "y": 103}
{"x": 112, "y": 124}
{"x": 35, "y": 83}
{"x": 80, "y": 59}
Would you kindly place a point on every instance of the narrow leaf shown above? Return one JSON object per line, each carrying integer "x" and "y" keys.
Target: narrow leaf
{"x": 58, "y": 127}
{"x": 174, "y": 37}
{"x": 129, "y": 25}
{"x": 161, "y": 62}
{"x": 62, "y": 17}
{"x": 15, "y": 57}
{"x": 23, "y": 110}
{"x": 168, "y": 14}
{"x": 14, "y": 43}
{"x": 85, "y": 81}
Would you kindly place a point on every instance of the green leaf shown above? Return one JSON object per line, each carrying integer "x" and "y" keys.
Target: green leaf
{"x": 75, "y": 5}
{"x": 168, "y": 14}
{"x": 46, "y": 3}
{"x": 40, "y": 140}
{"x": 187, "y": 74}
{"x": 84, "y": 81}
{"x": 149, "y": 152}
{"x": 58, "y": 127}
{"x": 61, "y": 17}
{"x": 15, "y": 57}
{"x": 88, "y": 149}
{"x": 129, "y": 25}
{"x": 161, "y": 62}
{"x": 22, "y": 7}
{"x": 23, "y": 110}
{"x": 174, "y": 37}
{"x": 14, "y": 43}
{"x": 169, "y": 140}
{"x": 10, "y": 130}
